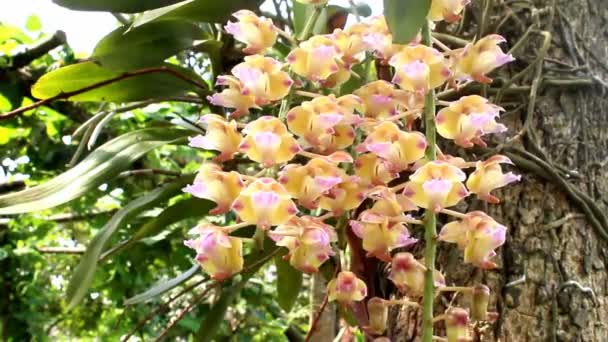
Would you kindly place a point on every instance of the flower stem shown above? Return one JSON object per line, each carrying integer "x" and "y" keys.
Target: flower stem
{"x": 430, "y": 219}
{"x": 310, "y": 23}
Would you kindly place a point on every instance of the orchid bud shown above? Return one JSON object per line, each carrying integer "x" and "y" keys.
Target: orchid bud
{"x": 488, "y": 176}
{"x": 477, "y": 59}
{"x": 479, "y": 304}
{"x": 264, "y": 203}
{"x": 468, "y": 119}
{"x": 220, "y": 136}
{"x": 346, "y": 288}
{"x": 407, "y": 274}
{"x": 268, "y": 142}
{"x": 216, "y": 185}
{"x": 457, "y": 325}
{"x": 257, "y": 33}
{"x": 378, "y": 315}
{"x": 219, "y": 254}
{"x": 436, "y": 185}
{"x": 419, "y": 68}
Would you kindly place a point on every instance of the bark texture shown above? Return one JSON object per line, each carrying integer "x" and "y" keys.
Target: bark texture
{"x": 551, "y": 284}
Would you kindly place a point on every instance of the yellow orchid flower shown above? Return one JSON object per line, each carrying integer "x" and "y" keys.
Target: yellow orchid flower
{"x": 262, "y": 78}
{"x": 216, "y": 185}
{"x": 476, "y": 60}
{"x": 325, "y": 122}
{"x": 419, "y": 68}
{"x": 315, "y": 59}
{"x": 399, "y": 148}
{"x": 346, "y": 288}
{"x": 478, "y": 235}
{"x": 373, "y": 170}
{"x": 257, "y": 33}
{"x": 264, "y": 203}
{"x": 234, "y": 96}
{"x": 351, "y": 45}
{"x": 309, "y": 182}
{"x": 448, "y": 10}
{"x": 382, "y": 227}
{"x": 268, "y": 142}
{"x": 382, "y": 100}
{"x": 345, "y": 196}
{"x": 219, "y": 254}
{"x": 436, "y": 185}
{"x": 468, "y": 119}
{"x": 308, "y": 240}
{"x": 488, "y": 176}
{"x": 221, "y": 136}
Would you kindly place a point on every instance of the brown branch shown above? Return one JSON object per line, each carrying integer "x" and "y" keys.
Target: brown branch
{"x": 142, "y": 172}
{"x": 317, "y": 318}
{"x": 126, "y": 75}
{"x": 161, "y": 308}
{"x": 60, "y": 250}
{"x": 78, "y": 217}
{"x": 187, "y": 309}
{"x": 30, "y": 54}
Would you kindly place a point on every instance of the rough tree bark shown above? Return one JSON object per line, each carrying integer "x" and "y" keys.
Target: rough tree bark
{"x": 555, "y": 248}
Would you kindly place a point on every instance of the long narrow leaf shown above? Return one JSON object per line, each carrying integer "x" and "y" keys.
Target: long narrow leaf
{"x": 84, "y": 272}
{"x": 162, "y": 287}
{"x": 99, "y": 167}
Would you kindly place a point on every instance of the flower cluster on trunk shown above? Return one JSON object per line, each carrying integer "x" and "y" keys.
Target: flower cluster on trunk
{"x": 356, "y": 156}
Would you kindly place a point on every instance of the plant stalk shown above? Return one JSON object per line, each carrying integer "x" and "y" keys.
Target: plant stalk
{"x": 310, "y": 23}
{"x": 430, "y": 219}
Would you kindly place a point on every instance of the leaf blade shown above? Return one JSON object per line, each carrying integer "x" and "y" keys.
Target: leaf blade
{"x": 101, "y": 165}
{"x": 120, "y": 6}
{"x": 137, "y": 88}
{"x": 83, "y": 273}
{"x": 145, "y": 46}
{"x": 162, "y": 287}
{"x": 405, "y": 18}
{"x": 289, "y": 283}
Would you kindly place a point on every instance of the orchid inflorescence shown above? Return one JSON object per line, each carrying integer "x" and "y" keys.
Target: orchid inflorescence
{"x": 344, "y": 156}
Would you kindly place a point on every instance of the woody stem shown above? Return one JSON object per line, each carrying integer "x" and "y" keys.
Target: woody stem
{"x": 430, "y": 219}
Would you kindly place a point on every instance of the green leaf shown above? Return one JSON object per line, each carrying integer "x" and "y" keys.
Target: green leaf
{"x": 215, "y": 317}
{"x": 289, "y": 283}
{"x": 84, "y": 272}
{"x": 162, "y": 287}
{"x": 102, "y": 165}
{"x": 188, "y": 208}
{"x": 302, "y": 12}
{"x": 405, "y": 18}
{"x": 33, "y": 23}
{"x": 137, "y": 88}
{"x": 209, "y": 11}
{"x": 147, "y": 45}
{"x": 7, "y": 134}
{"x": 121, "y": 6}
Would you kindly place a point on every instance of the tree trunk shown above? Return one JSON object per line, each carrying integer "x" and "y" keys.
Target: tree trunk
{"x": 551, "y": 284}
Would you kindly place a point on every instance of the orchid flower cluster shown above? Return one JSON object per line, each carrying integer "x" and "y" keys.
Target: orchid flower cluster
{"x": 356, "y": 156}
